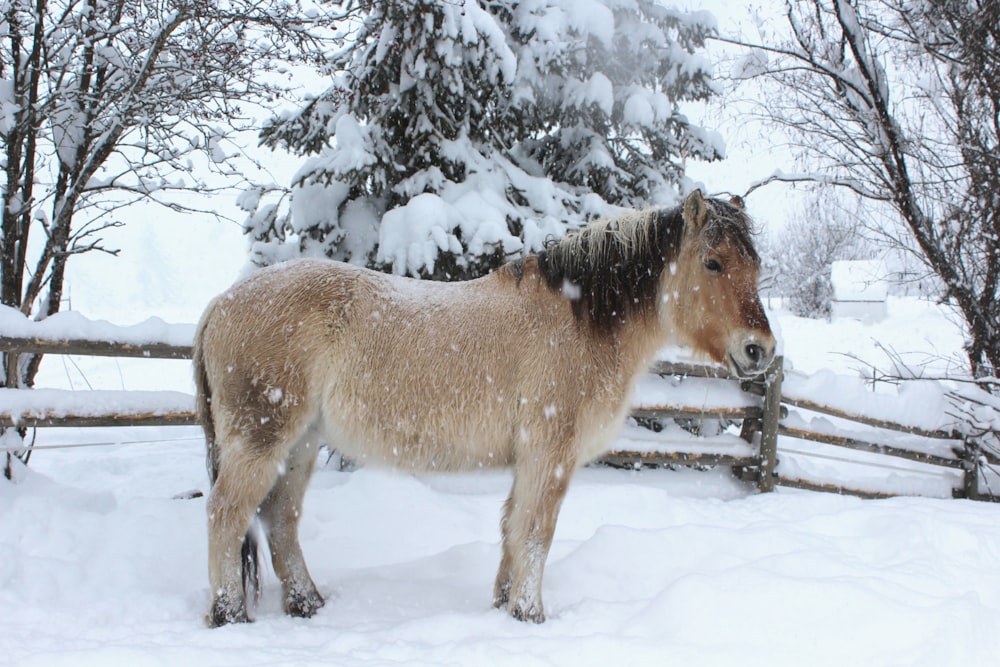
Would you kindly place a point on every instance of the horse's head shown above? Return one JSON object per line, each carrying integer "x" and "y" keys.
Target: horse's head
{"x": 709, "y": 291}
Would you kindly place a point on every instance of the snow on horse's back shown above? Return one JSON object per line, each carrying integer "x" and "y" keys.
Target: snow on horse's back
{"x": 529, "y": 367}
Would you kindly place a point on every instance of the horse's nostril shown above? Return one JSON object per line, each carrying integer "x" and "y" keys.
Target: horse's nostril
{"x": 753, "y": 352}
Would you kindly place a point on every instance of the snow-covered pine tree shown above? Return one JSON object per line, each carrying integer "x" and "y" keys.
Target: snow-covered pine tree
{"x": 461, "y": 133}
{"x": 599, "y": 88}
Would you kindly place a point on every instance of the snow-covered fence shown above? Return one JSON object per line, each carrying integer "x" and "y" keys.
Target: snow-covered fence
{"x": 72, "y": 334}
{"x": 106, "y": 348}
{"x": 57, "y": 407}
{"x": 31, "y": 408}
{"x": 685, "y": 414}
{"x": 913, "y": 441}
{"x": 821, "y": 432}
{"x": 775, "y": 430}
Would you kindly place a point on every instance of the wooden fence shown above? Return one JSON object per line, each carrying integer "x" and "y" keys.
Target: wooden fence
{"x": 777, "y": 413}
{"x": 668, "y": 427}
{"x": 54, "y": 407}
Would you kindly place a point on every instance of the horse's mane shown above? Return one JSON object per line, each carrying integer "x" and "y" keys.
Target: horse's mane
{"x": 611, "y": 268}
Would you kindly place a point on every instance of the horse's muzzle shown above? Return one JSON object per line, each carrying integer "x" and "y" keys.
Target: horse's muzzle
{"x": 750, "y": 354}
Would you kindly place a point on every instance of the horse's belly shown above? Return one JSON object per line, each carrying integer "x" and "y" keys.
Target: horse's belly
{"x": 416, "y": 443}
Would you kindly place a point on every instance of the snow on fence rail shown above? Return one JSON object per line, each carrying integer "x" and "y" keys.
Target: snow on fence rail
{"x": 683, "y": 414}
{"x": 918, "y": 431}
{"x": 31, "y": 408}
{"x": 70, "y": 333}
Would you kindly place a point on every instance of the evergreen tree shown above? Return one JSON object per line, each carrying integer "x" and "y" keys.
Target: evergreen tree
{"x": 459, "y": 134}
{"x": 602, "y": 82}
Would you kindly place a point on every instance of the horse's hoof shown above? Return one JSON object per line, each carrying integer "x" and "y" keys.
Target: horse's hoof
{"x": 223, "y": 614}
{"x": 500, "y": 598}
{"x": 529, "y": 615}
{"x": 303, "y": 605}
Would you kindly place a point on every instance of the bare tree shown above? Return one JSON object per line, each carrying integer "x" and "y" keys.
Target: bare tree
{"x": 900, "y": 102}
{"x": 106, "y": 102}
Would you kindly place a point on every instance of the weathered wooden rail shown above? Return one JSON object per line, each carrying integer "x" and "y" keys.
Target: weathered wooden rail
{"x": 99, "y": 348}
{"x": 754, "y": 454}
{"x": 54, "y": 408}
{"x": 33, "y": 408}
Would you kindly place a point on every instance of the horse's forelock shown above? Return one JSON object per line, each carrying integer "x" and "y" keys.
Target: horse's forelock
{"x": 726, "y": 222}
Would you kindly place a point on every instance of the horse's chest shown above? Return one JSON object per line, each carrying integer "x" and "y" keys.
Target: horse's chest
{"x": 599, "y": 431}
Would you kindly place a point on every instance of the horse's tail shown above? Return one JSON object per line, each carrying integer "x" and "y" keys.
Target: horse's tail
{"x": 203, "y": 404}
{"x": 250, "y": 552}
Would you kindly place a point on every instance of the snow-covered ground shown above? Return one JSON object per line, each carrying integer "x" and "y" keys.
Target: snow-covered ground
{"x": 103, "y": 554}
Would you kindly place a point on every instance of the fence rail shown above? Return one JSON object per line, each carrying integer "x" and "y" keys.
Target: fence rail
{"x": 150, "y": 418}
{"x": 754, "y": 457}
{"x": 98, "y": 348}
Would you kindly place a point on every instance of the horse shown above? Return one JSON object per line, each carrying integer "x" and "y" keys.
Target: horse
{"x": 529, "y": 367}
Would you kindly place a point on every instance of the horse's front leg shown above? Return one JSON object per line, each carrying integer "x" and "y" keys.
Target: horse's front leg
{"x": 528, "y": 525}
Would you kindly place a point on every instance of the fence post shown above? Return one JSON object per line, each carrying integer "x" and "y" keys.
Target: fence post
{"x": 769, "y": 426}
{"x": 970, "y": 465}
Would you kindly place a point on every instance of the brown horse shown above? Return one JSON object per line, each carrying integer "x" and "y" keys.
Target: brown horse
{"x": 529, "y": 367}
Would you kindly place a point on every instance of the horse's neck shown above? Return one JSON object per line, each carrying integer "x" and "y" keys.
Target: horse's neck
{"x": 635, "y": 346}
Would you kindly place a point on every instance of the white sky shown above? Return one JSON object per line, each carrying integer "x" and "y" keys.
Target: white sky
{"x": 753, "y": 151}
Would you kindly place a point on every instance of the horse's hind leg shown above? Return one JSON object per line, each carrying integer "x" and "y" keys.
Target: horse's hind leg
{"x": 528, "y": 525}
{"x": 280, "y": 514}
{"x": 243, "y": 480}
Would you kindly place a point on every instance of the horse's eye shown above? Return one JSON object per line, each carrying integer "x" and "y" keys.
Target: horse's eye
{"x": 713, "y": 266}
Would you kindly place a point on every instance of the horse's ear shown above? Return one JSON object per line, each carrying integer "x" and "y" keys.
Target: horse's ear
{"x": 737, "y": 201}
{"x": 695, "y": 210}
